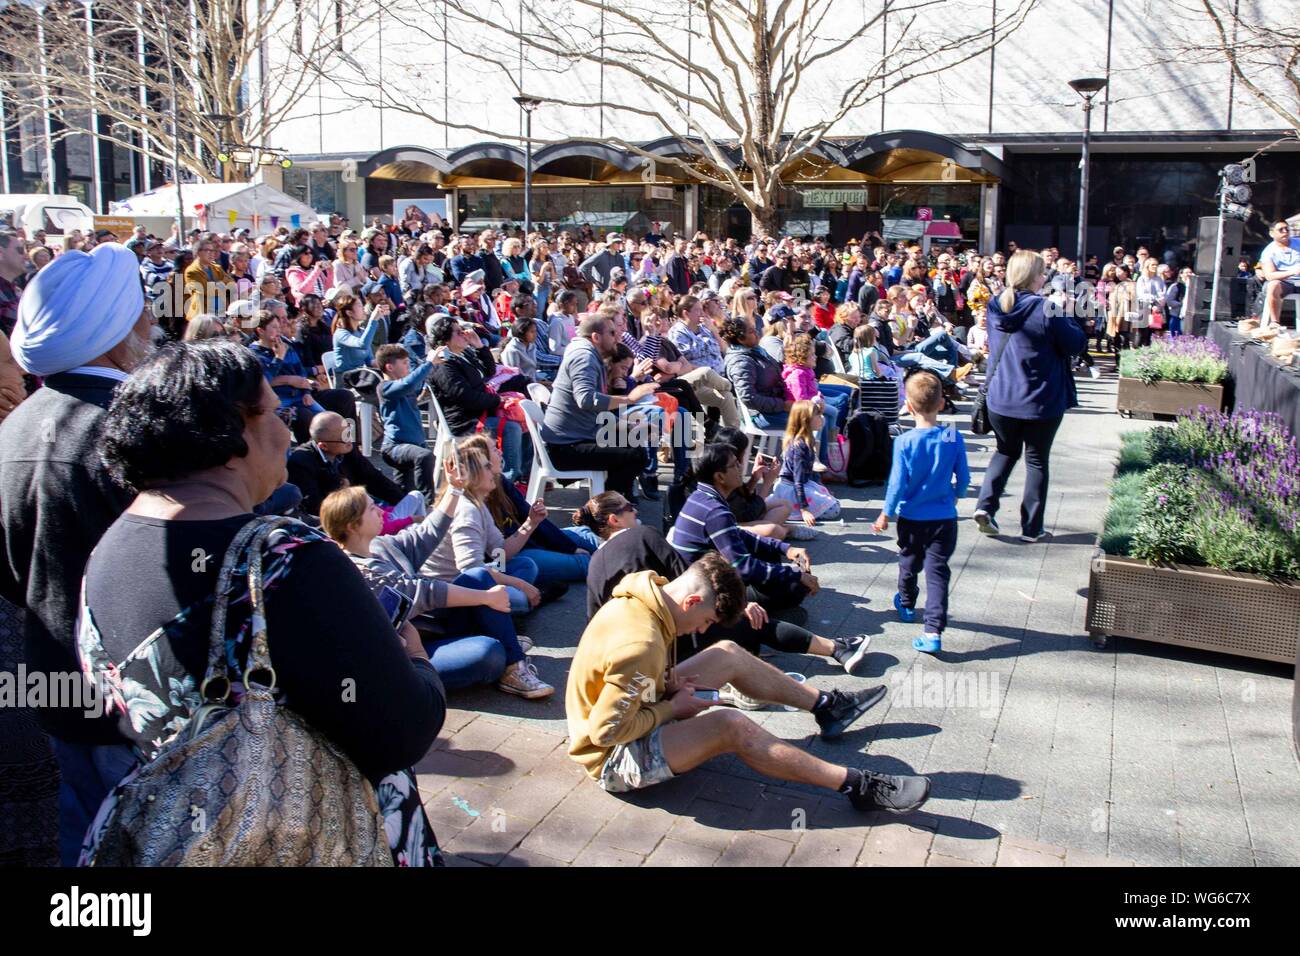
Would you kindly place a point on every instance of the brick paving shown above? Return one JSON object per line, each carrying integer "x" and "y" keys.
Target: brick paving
{"x": 1048, "y": 751}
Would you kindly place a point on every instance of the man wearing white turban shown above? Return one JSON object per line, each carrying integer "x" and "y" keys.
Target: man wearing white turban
{"x": 83, "y": 327}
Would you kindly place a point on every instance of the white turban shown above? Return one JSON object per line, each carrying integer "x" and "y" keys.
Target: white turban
{"x": 77, "y": 308}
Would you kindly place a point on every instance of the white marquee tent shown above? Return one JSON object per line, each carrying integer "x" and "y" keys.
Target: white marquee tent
{"x": 221, "y": 207}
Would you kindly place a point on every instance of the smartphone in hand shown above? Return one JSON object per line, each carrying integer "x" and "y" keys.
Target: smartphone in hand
{"x": 711, "y": 696}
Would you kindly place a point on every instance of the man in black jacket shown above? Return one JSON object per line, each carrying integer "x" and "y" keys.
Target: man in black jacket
{"x": 83, "y": 327}
{"x": 330, "y": 461}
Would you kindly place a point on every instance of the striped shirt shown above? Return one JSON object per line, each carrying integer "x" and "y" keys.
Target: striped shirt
{"x": 706, "y": 524}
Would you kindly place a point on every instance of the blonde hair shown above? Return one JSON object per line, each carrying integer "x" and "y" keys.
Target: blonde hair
{"x": 799, "y": 426}
{"x": 799, "y": 351}
{"x": 740, "y": 302}
{"x": 512, "y": 246}
{"x": 474, "y": 459}
{"x": 864, "y": 336}
{"x": 342, "y": 510}
{"x": 844, "y": 311}
{"x": 1024, "y": 269}
{"x": 203, "y": 327}
{"x": 775, "y": 327}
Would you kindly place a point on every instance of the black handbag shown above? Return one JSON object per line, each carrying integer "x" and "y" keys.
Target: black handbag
{"x": 979, "y": 415}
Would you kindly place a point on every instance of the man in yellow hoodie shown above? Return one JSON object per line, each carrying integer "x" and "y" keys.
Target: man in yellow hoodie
{"x": 633, "y": 715}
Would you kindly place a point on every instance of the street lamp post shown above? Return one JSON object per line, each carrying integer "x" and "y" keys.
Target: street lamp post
{"x": 528, "y": 104}
{"x": 1088, "y": 87}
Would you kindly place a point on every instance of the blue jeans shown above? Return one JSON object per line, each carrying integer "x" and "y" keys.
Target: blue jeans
{"x": 772, "y": 420}
{"x": 555, "y": 566}
{"x": 284, "y": 500}
{"x": 516, "y": 449}
{"x": 837, "y": 412}
{"x": 481, "y": 642}
{"x": 526, "y": 570}
{"x": 88, "y": 773}
{"x": 908, "y": 360}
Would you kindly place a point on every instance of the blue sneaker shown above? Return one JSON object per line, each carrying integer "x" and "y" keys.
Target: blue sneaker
{"x": 905, "y": 614}
{"x": 928, "y": 643}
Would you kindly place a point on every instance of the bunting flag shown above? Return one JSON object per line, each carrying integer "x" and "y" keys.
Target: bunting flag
{"x": 295, "y": 220}
{"x": 232, "y": 215}
{"x": 275, "y": 221}
{"x": 202, "y": 212}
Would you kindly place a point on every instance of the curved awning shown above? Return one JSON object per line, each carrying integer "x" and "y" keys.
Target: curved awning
{"x": 917, "y": 154}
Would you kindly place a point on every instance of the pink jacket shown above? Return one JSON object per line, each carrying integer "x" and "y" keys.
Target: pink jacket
{"x": 800, "y": 383}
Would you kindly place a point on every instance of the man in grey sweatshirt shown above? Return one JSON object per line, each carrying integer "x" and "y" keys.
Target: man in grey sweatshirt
{"x": 578, "y": 427}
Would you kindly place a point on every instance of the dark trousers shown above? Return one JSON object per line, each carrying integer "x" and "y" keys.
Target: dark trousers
{"x": 414, "y": 466}
{"x": 622, "y": 465}
{"x": 1016, "y": 436}
{"x": 926, "y": 545}
{"x": 777, "y": 597}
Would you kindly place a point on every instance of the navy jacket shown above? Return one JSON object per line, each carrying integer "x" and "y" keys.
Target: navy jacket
{"x": 1032, "y": 379}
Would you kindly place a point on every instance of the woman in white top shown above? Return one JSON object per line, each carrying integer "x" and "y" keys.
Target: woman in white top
{"x": 475, "y": 540}
{"x": 347, "y": 270}
{"x": 1150, "y": 292}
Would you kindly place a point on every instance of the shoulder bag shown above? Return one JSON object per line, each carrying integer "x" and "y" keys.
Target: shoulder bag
{"x": 245, "y": 785}
{"x": 979, "y": 415}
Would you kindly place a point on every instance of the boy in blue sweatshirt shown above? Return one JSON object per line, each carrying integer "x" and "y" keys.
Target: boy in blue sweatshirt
{"x": 922, "y": 497}
{"x": 404, "y": 447}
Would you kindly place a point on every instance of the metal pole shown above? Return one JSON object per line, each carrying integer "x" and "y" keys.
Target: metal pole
{"x": 96, "y": 170}
{"x": 176, "y": 135}
{"x": 45, "y": 101}
{"x": 146, "y": 165}
{"x": 1081, "y": 253}
{"x": 4, "y": 146}
{"x": 1218, "y": 259}
{"x": 528, "y": 173}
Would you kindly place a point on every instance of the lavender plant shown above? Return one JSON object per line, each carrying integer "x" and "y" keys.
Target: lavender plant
{"x": 1184, "y": 359}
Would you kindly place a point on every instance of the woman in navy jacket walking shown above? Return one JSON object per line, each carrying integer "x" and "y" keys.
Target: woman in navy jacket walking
{"x": 1029, "y": 389}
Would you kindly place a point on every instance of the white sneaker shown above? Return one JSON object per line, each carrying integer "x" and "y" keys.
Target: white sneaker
{"x": 818, "y": 467}
{"x": 727, "y": 694}
{"x": 525, "y": 642}
{"x": 521, "y": 680}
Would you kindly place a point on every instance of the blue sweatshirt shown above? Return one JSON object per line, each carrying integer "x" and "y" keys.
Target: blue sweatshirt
{"x": 399, "y": 407}
{"x": 352, "y": 349}
{"x": 921, "y": 480}
{"x": 1032, "y": 378}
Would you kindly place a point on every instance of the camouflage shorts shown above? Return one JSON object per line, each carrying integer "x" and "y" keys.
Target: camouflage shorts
{"x": 636, "y": 765}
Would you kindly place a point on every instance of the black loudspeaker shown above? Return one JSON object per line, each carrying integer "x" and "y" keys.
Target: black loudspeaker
{"x": 1198, "y": 309}
{"x": 1206, "y": 236}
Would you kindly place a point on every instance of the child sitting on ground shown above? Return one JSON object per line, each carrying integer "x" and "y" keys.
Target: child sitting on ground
{"x": 865, "y": 361}
{"x": 798, "y": 482}
{"x": 922, "y": 497}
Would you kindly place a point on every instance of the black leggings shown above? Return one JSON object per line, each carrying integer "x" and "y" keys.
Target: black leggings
{"x": 778, "y": 635}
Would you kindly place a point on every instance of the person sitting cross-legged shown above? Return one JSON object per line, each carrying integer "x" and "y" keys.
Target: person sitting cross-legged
{"x": 706, "y": 523}
{"x": 636, "y": 720}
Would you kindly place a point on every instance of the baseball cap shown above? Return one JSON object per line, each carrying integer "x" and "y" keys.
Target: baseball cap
{"x": 614, "y": 237}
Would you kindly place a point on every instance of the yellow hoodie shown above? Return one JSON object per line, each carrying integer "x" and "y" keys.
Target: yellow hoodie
{"x": 616, "y": 681}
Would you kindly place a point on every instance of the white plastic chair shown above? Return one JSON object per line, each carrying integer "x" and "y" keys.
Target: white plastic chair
{"x": 544, "y": 472}
{"x": 439, "y": 432}
{"x": 330, "y": 363}
{"x": 539, "y": 393}
{"x": 837, "y": 360}
{"x": 759, "y": 435}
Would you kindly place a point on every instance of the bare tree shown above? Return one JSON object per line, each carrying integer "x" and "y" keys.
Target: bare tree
{"x": 238, "y": 67}
{"x": 727, "y": 77}
{"x": 1262, "y": 49}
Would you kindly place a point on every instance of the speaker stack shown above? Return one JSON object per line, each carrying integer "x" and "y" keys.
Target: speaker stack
{"x": 1198, "y": 309}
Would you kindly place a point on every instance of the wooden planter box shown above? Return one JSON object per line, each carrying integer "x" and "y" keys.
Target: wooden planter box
{"x": 1165, "y": 398}
{"x": 1223, "y": 611}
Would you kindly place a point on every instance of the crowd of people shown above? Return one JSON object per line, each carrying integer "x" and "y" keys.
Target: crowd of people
{"x": 158, "y": 396}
